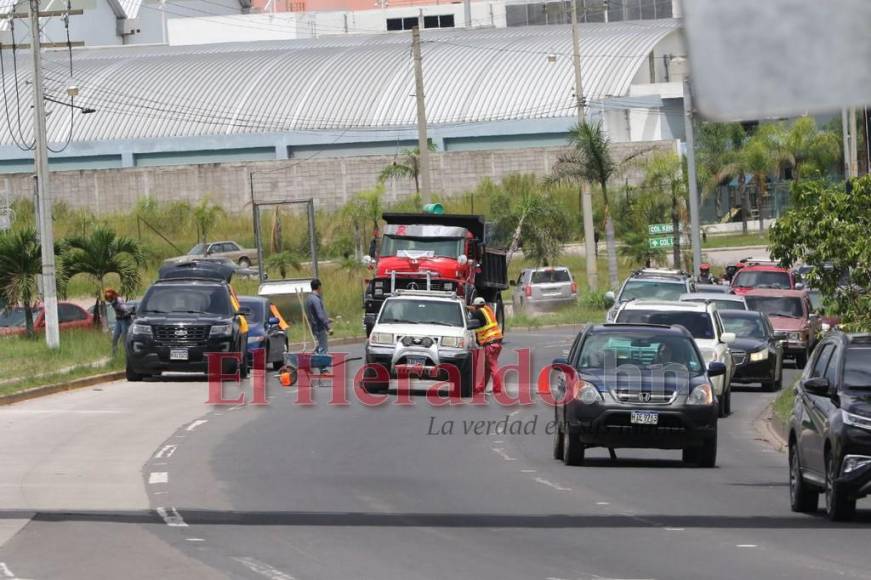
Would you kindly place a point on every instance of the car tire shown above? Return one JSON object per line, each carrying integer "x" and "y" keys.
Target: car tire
{"x": 707, "y": 453}
{"x": 802, "y": 499}
{"x": 244, "y": 369}
{"x": 840, "y": 507}
{"x": 558, "y": 442}
{"x": 244, "y": 263}
{"x": 573, "y": 450}
{"x": 132, "y": 376}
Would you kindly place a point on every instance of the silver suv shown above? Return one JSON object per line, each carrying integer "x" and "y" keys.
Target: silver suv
{"x": 649, "y": 284}
{"x": 543, "y": 288}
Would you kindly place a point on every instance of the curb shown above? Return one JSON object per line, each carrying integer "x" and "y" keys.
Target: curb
{"x": 60, "y": 387}
{"x": 771, "y": 430}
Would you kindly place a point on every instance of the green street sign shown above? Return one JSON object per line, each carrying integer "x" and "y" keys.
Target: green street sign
{"x": 657, "y": 229}
{"x": 661, "y": 242}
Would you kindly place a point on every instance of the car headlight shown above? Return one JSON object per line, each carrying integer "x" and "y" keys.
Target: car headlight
{"x": 453, "y": 341}
{"x": 588, "y": 394}
{"x": 701, "y": 395}
{"x": 140, "y": 329}
{"x": 856, "y": 420}
{"x": 758, "y": 356}
{"x": 381, "y": 338}
{"x": 794, "y": 336}
{"x": 854, "y": 463}
{"x": 220, "y": 330}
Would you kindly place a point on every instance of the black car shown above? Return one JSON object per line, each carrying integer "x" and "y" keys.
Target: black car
{"x": 178, "y": 321}
{"x": 265, "y": 331}
{"x": 830, "y": 427}
{"x": 640, "y": 386}
{"x": 757, "y": 351}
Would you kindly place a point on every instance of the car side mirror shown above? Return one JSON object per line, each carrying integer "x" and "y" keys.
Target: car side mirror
{"x": 716, "y": 369}
{"x": 799, "y": 286}
{"x": 560, "y": 360}
{"x": 273, "y": 321}
{"x": 473, "y": 324}
{"x": 728, "y": 338}
{"x": 818, "y": 386}
{"x": 610, "y": 298}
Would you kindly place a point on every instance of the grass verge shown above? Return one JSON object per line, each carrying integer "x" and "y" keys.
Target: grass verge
{"x": 738, "y": 240}
{"x": 783, "y": 405}
{"x": 26, "y": 358}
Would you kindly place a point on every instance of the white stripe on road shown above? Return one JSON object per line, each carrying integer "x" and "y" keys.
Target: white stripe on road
{"x": 263, "y": 569}
{"x": 746, "y": 546}
{"x": 172, "y": 518}
{"x": 158, "y": 477}
{"x": 527, "y": 471}
{"x": 165, "y": 452}
{"x": 555, "y": 486}
{"x": 196, "y": 424}
{"x": 195, "y": 539}
{"x": 6, "y": 571}
{"x": 501, "y": 453}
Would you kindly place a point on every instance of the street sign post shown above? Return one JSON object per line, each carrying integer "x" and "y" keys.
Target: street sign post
{"x": 661, "y": 242}
{"x": 659, "y": 229}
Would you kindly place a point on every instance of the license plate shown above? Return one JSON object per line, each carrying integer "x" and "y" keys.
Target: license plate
{"x": 178, "y": 354}
{"x": 644, "y": 418}
{"x": 416, "y": 360}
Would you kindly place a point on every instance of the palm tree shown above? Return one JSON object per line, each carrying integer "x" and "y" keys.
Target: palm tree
{"x": 283, "y": 261}
{"x": 717, "y": 147}
{"x": 810, "y": 151}
{"x": 101, "y": 253}
{"x": 664, "y": 175}
{"x": 407, "y": 167}
{"x": 363, "y": 209}
{"x": 20, "y": 264}
{"x": 206, "y": 215}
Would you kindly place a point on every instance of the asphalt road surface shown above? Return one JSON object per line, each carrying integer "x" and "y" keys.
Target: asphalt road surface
{"x": 147, "y": 481}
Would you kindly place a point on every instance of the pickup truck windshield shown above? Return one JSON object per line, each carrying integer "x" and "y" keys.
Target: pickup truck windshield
{"x": 444, "y": 247}
{"x": 421, "y": 312}
{"x": 762, "y": 279}
{"x": 776, "y": 306}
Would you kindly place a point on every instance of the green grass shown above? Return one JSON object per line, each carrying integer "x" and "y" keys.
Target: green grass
{"x": 579, "y": 314}
{"x": 738, "y": 240}
{"x": 783, "y": 404}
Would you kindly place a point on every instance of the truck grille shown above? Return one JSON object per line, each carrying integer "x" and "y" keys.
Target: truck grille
{"x": 416, "y": 284}
{"x": 738, "y": 357}
{"x": 181, "y": 335}
{"x": 663, "y": 398}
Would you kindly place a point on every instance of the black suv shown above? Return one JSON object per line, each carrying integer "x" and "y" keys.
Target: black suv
{"x": 180, "y": 320}
{"x": 636, "y": 385}
{"x": 830, "y": 427}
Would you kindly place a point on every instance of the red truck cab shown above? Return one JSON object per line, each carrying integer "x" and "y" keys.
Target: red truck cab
{"x": 761, "y": 276}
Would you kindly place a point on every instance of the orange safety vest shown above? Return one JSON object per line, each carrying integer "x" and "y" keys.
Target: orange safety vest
{"x": 234, "y": 300}
{"x": 491, "y": 330}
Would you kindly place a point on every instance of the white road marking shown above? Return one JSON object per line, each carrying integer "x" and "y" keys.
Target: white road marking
{"x": 159, "y": 493}
{"x": 172, "y": 518}
{"x": 158, "y": 477}
{"x": 746, "y": 546}
{"x": 195, "y": 539}
{"x": 6, "y": 571}
{"x": 527, "y": 471}
{"x": 674, "y": 529}
{"x": 603, "y": 503}
{"x": 555, "y": 486}
{"x": 263, "y": 569}
{"x": 165, "y": 452}
{"x": 159, "y": 463}
{"x": 196, "y": 424}
{"x": 498, "y": 441}
{"x": 512, "y": 413}
{"x": 501, "y": 453}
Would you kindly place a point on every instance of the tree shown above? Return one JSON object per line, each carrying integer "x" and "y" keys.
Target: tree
{"x": 408, "y": 167}
{"x": 808, "y": 151}
{"x": 101, "y": 253}
{"x": 206, "y": 215}
{"x": 664, "y": 175}
{"x": 20, "y": 264}
{"x": 827, "y": 228}
{"x": 364, "y": 210}
{"x": 283, "y": 262}
{"x": 717, "y": 147}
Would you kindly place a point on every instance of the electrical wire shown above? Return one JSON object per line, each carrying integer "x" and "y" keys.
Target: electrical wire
{"x": 24, "y": 146}
{"x": 72, "y": 104}
{"x": 17, "y": 94}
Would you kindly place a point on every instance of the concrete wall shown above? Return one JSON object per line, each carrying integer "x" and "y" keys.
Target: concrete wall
{"x": 330, "y": 181}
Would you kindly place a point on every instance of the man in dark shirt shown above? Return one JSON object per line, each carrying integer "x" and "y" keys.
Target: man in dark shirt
{"x": 317, "y": 317}
{"x": 123, "y": 317}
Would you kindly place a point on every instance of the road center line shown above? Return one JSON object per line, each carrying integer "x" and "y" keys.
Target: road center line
{"x": 263, "y": 569}
{"x": 501, "y": 453}
{"x": 172, "y": 518}
{"x": 555, "y": 486}
{"x": 196, "y": 424}
{"x": 746, "y": 546}
{"x": 165, "y": 452}
{"x": 7, "y": 573}
{"x": 158, "y": 477}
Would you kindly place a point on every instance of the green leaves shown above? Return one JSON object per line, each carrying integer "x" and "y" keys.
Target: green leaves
{"x": 102, "y": 252}
{"x": 20, "y": 264}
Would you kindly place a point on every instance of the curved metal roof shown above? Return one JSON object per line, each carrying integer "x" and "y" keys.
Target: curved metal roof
{"x": 333, "y": 83}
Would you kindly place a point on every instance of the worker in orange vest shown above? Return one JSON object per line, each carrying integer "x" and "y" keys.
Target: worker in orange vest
{"x": 489, "y": 336}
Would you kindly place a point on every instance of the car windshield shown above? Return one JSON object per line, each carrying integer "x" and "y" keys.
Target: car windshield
{"x": 257, "y": 309}
{"x": 698, "y": 323}
{"x": 186, "y": 299}
{"x": 787, "y": 306}
{"x": 421, "y": 312}
{"x": 15, "y": 316}
{"x": 857, "y": 368}
{"x": 642, "y": 348}
{"x": 550, "y": 276}
{"x": 197, "y": 250}
{"x": 430, "y": 247}
{"x": 762, "y": 279}
{"x": 720, "y": 303}
{"x": 744, "y": 326}
{"x": 816, "y": 298}
{"x": 652, "y": 290}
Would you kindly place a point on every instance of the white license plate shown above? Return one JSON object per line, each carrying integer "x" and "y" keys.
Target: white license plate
{"x": 644, "y": 418}
{"x": 178, "y": 354}
{"x": 416, "y": 360}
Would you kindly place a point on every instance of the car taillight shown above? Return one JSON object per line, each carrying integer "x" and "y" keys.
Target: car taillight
{"x": 574, "y": 287}
{"x": 527, "y": 290}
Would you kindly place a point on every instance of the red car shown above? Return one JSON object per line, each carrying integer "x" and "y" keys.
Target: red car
{"x": 790, "y": 311}
{"x": 763, "y": 276}
{"x": 69, "y": 315}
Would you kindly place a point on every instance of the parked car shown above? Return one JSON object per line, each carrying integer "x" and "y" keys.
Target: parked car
{"x": 649, "y": 284}
{"x": 758, "y": 349}
{"x": 69, "y": 316}
{"x": 830, "y": 428}
{"x": 544, "y": 288}
{"x": 756, "y": 275}
{"x": 789, "y": 312}
{"x": 713, "y": 288}
{"x": 645, "y": 409}
{"x": 722, "y": 301}
{"x": 244, "y": 257}
{"x": 703, "y": 323}
{"x": 266, "y": 329}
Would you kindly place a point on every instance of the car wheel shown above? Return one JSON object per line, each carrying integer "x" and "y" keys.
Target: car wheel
{"x": 707, "y": 453}
{"x": 132, "y": 375}
{"x": 840, "y": 507}
{"x": 690, "y": 455}
{"x": 802, "y": 499}
{"x": 244, "y": 263}
{"x": 558, "y": 442}
{"x": 573, "y": 449}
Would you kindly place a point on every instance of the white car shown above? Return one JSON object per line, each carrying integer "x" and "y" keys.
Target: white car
{"x": 421, "y": 333}
{"x": 703, "y": 322}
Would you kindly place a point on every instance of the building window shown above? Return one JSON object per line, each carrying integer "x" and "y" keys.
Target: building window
{"x": 431, "y": 21}
{"x": 446, "y": 21}
{"x": 394, "y": 24}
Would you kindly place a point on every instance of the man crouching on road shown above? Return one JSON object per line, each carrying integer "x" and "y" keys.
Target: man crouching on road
{"x": 489, "y": 336}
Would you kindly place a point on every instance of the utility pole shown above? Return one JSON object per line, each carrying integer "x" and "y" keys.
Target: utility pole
{"x": 422, "y": 140}
{"x": 848, "y": 171}
{"x": 586, "y": 196}
{"x": 854, "y": 144}
{"x": 40, "y": 158}
{"x": 865, "y": 131}
{"x": 605, "y": 10}
{"x": 467, "y": 13}
{"x": 695, "y": 226}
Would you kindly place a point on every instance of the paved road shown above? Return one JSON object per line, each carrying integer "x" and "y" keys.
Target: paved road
{"x": 289, "y": 492}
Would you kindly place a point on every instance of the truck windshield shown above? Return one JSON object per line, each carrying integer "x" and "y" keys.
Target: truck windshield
{"x": 776, "y": 305}
{"x": 762, "y": 279}
{"x": 434, "y": 247}
{"x": 421, "y": 312}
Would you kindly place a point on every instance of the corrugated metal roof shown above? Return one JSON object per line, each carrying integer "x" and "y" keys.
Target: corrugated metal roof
{"x": 334, "y": 83}
{"x": 125, "y": 8}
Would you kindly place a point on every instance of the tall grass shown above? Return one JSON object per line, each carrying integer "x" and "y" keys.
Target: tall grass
{"x": 22, "y": 357}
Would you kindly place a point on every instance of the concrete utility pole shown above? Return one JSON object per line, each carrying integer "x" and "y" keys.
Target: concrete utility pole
{"x": 422, "y": 140}
{"x": 40, "y": 158}
{"x": 586, "y": 196}
{"x": 848, "y": 170}
{"x": 854, "y": 144}
{"x": 695, "y": 226}
{"x": 467, "y": 13}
